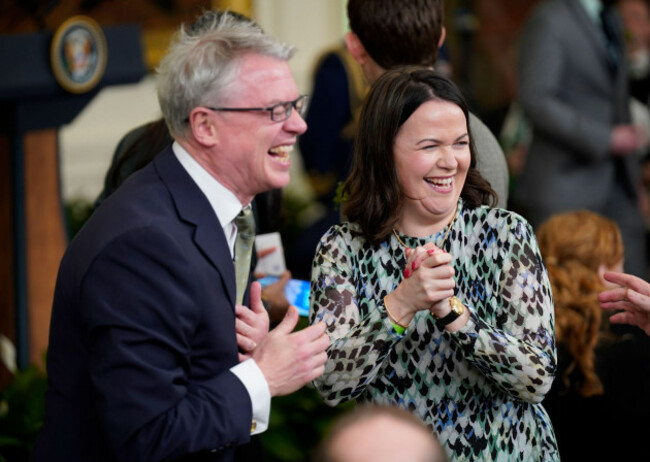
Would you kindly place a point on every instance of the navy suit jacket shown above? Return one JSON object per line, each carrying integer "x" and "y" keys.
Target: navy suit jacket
{"x": 143, "y": 331}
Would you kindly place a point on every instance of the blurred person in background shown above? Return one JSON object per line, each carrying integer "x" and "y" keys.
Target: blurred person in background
{"x": 631, "y": 299}
{"x": 338, "y": 91}
{"x": 574, "y": 92}
{"x": 636, "y": 20}
{"x": 603, "y": 376}
{"x": 373, "y": 433}
{"x": 388, "y": 33}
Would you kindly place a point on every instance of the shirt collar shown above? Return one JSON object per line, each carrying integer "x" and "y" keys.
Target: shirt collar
{"x": 224, "y": 203}
{"x": 593, "y": 8}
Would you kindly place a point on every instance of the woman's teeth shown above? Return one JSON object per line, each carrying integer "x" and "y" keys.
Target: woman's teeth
{"x": 441, "y": 183}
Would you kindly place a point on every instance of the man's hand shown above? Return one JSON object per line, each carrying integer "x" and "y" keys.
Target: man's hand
{"x": 625, "y": 140}
{"x": 273, "y": 295}
{"x": 290, "y": 359}
{"x": 633, "y": 298}
{"x": 251, "y": 325}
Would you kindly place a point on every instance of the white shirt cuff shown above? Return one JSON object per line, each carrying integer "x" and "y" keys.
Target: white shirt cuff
{"x": 258, "y": 389}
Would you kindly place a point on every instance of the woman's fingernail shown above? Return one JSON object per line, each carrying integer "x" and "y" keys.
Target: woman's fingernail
{"x": 431, "y": 251}
{"x": 407, "y": 272}
{"x": 413, "y": 266}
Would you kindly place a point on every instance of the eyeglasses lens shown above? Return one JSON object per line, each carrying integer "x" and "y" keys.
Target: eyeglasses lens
{"x": 282, "y": 111}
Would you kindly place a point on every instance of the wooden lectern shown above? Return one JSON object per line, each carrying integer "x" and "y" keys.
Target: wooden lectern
{"x": 33, "y": 234}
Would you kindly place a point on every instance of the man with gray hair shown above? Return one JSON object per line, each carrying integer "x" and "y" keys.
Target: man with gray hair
{"x": 158, "y": 350}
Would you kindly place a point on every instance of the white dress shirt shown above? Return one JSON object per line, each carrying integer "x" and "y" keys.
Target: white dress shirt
{"x": 226, "y": 205}
{"x": 593, "y": 8}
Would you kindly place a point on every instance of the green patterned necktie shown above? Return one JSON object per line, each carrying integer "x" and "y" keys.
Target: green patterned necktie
{"x": 245, "y": 223}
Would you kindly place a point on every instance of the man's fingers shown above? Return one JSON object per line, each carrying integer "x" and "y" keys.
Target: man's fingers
{"x": 617, "y": 278}
{"x": 245, "y": 343}
{"x": 315, "y": 373}
{"x": 625, "y": 296}
{"x": 289, "y": 321}
{"x": 611, "y": 295}
{"x": 243, "y": 314}
{"x": 284, "y": 278}
{"x": 622, "y": 318}
{"x": 322, "y": 342}
{"x": 619, "y": 304}
{"x": 315, "y": 367}
{"x": 627, "y": 280}
{"x": 242, "y": 326}
{"x": 315, "y": 332}
{"x": 256, "y": 297}
{"x": 312, "y": 342}
{"x": 265, "y": 252}
{"x": 613, "y": 305}
{"x": 641, "y": 301}
{"x": 315, "y": 351}
{"x": 320, "y": 359}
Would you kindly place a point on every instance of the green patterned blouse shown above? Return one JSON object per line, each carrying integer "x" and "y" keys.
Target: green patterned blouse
{"x": 479, "y": 388}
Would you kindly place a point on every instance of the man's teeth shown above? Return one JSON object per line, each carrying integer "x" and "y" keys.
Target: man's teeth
{"x": 444, "y": 183}
{"x": 282, "y": 151}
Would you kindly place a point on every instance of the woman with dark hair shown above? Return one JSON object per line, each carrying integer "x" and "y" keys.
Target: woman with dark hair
{"x": 435, "y": 301}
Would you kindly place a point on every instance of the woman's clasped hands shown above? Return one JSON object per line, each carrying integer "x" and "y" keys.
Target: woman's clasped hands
{"x": 427, "y": 284}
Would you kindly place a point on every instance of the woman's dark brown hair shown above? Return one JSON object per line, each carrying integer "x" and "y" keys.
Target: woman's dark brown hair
{"x": 372, "y": 194}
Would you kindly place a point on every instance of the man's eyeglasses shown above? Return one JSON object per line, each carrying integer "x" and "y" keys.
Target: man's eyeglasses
{"x": 279, "y": 112}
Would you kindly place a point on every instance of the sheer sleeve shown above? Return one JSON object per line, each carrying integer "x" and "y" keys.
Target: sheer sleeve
{"x": 511, "y": 339}
{"x": 361, "y": 334}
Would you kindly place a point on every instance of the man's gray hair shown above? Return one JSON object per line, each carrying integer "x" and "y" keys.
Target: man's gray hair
{"x": 203, "y": 60}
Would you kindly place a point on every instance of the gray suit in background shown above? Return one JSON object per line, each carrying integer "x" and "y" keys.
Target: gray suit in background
{"x": 490, "y": 160}
{"x": 574, "y": 93}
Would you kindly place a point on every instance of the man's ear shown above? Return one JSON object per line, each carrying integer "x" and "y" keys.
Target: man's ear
{"x": 371, "y": 70}
{"x": 203, "y": 127}
{"x": 356, "y": 48}
{"x": 443, "y": 36}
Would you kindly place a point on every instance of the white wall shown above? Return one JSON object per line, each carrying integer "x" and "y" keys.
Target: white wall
{"x": 311, "y": 25}
{"x": 87, "y": 144}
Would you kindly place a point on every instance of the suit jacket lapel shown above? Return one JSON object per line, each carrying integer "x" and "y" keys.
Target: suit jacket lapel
{"x": 590, "y": 28}
{"x": 193, "y": 207}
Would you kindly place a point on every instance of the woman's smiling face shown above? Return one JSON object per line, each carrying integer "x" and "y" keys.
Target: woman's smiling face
{"x": 432, "y": 157}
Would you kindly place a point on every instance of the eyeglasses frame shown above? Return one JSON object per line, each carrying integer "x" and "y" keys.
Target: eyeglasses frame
{"x": 290, "y": 106}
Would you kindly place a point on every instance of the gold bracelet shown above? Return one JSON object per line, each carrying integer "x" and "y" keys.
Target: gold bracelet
{"x": 391, "y": 317}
